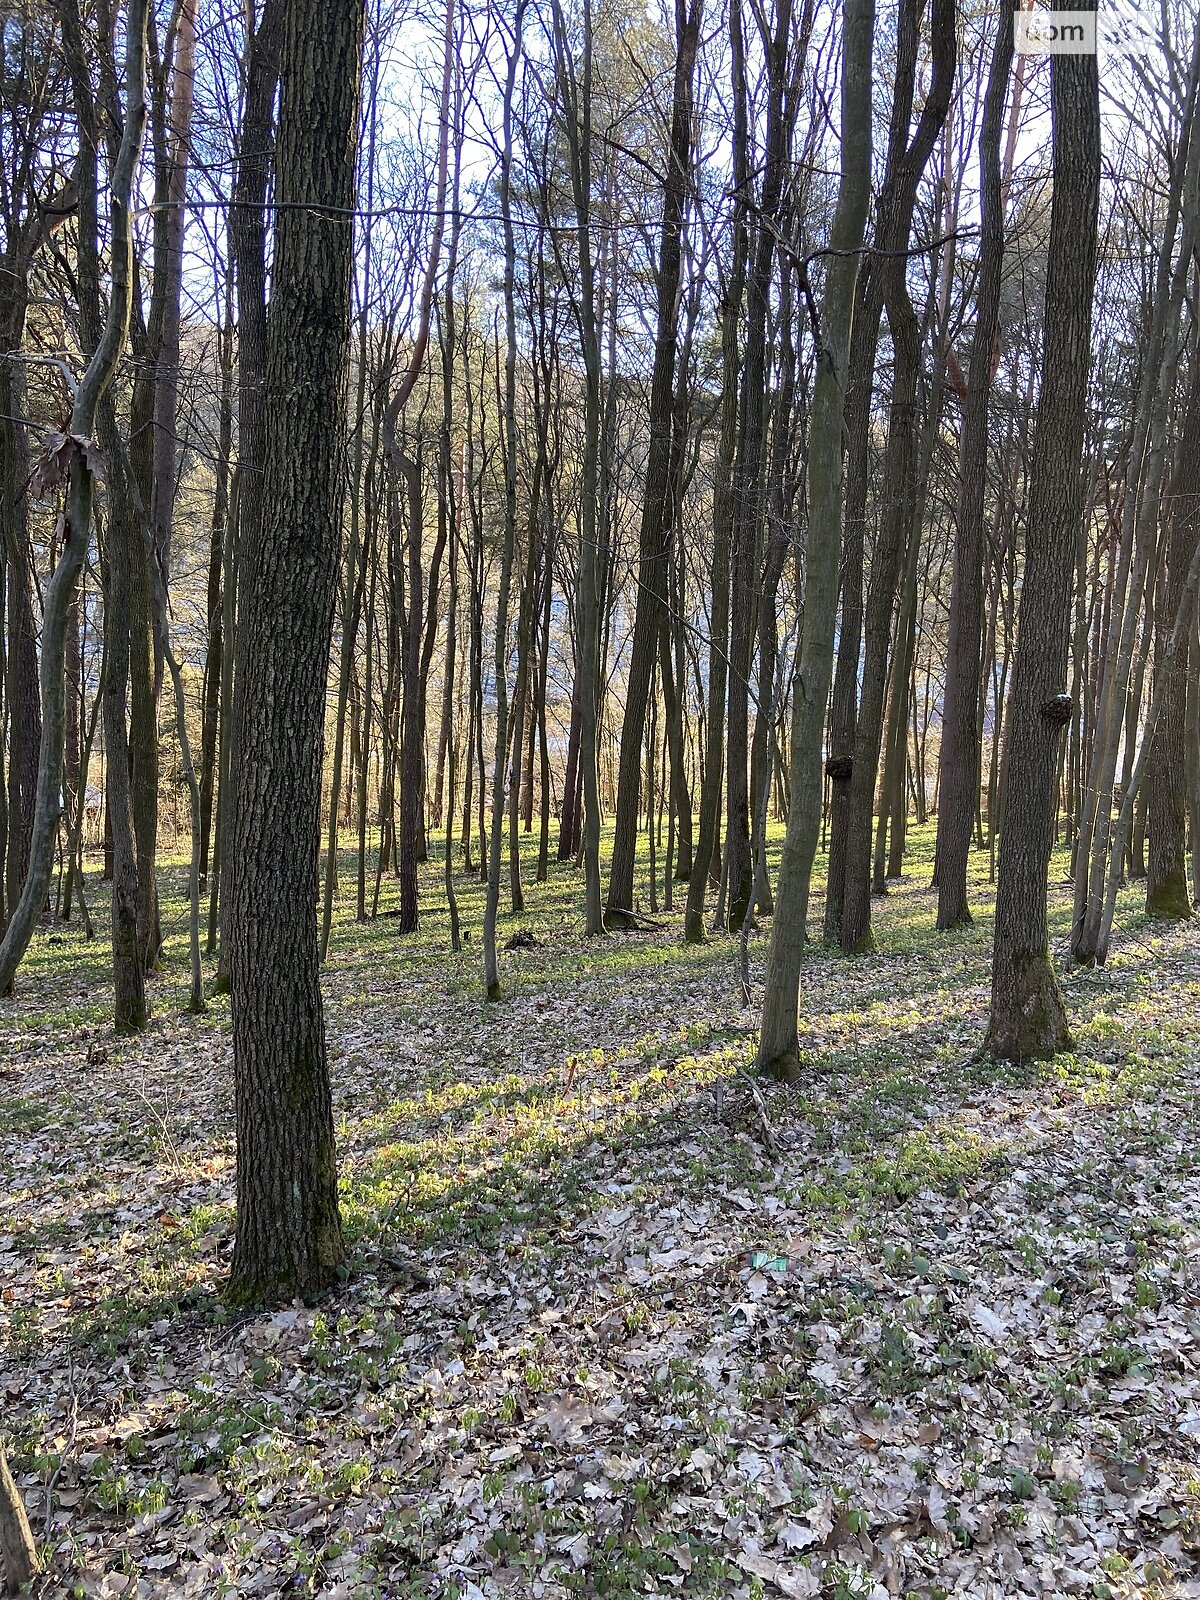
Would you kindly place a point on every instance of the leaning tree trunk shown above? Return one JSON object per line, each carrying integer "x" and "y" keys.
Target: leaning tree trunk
{"x": 1028, "y": 1018}
{"x": 76, "y": 452}
{"x": 289, "y": 1237}
{"x": 778, "y": 1040}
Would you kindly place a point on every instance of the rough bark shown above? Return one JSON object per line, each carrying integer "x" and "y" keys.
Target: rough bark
{"x": 289, "y": 1239}
{"x": 1028, "y": 1018}
{"x": 248, "y": 252}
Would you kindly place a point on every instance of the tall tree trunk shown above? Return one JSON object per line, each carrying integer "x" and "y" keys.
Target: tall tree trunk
{"x": 21, "y": 659}
{"x": 1167, "y": 894}
{"x": 843, "y": 714}
{"x": 1145, "y": 469}
{"x": 358, "y": 545}
{"x": 491, "y": 965}
{"x": 748, "y": 476}
{"x": 218, "y": 539}
{"x": 248, "y": 252}
{"x": 289, "y": 1238}
{"x": 958, "y": 793}
{"x": 1028, "y": 1019}
{"x": 707, "y": 862}
{"x": 654, "y": 545}
{"x": 77, "y": 516}
{"x": 778, "y": 1039}
{"x": 576, "y": 93}
{"x": 897, "y": 521}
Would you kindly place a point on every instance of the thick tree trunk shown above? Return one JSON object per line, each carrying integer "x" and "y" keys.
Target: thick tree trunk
{"x": 1028, "y": 1018}
{"x": 289, "y": 1239}
{"x": 843, "y": 715}
{"x": 129, "y": 1004}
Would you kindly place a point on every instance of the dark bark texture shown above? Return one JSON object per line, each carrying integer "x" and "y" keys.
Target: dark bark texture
{"x": 289, "y": 1238}
{"x": 1028, "y": 1019}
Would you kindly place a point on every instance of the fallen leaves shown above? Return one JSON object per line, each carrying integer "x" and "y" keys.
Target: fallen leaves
{"x": 946, "y": 1334}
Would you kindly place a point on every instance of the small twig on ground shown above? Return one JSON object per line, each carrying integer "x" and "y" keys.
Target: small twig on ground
{"x": 159, "y": 1118}
{"x": 760, "y": 1106}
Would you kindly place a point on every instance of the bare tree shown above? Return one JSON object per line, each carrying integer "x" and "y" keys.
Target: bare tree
{"x": 289, "y": 1238}
{"x": 1028, "y": 1018}
{"x": 73, "y": 456}
{"x": 778, "y": 1040}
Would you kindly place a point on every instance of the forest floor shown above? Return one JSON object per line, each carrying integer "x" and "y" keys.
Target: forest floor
{"x": 922, "y": 1325}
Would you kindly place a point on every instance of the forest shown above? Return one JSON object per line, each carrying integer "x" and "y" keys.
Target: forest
{"x": 600, "y": 799}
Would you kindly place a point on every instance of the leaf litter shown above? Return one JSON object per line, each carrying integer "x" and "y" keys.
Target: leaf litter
{"x": 939, "y": 1336}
